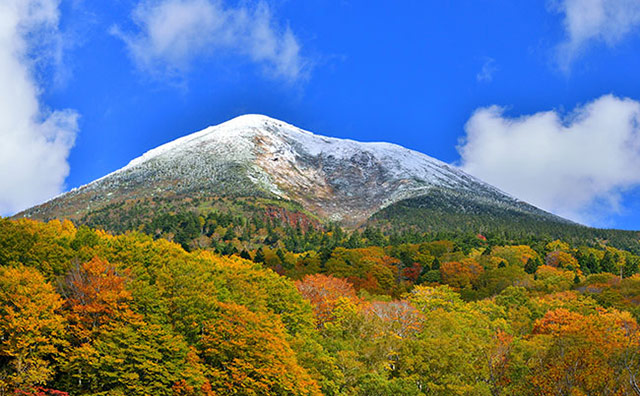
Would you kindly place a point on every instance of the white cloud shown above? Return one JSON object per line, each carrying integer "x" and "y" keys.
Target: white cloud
{"x": 173, "y": 33}
{"x": 34, "y": 142}
{"x": 591, "y": 21}
{"x": 489, "y": 68}
{"x": 576, "y": 165}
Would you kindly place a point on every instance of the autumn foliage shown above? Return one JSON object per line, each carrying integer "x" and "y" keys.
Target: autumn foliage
{"x": 86, "y": 313}
{"x": 248, "y": 354}
{"x": 460, "y": 273}
{"x": 584, "y": 354}
{"x": 324, "y": 293}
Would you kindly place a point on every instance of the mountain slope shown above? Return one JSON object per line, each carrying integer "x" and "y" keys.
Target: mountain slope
{"x": 256, "y": 156}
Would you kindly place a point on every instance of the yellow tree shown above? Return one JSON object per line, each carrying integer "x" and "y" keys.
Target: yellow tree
{"x": 514, "y": 255}
{"x": 247, "y": 354}
{"x": 31, "y": 329}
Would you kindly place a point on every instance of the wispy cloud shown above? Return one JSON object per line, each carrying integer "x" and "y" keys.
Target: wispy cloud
{"x": 587, "y": 22}
{"x": 171, "y": 34}
{"x": 576, "y": 165}
{"x": 489, "y": 68}
{"x": 35, "y": 142}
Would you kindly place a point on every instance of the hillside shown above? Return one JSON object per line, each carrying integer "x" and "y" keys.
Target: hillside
{"x": 274, "y": 164}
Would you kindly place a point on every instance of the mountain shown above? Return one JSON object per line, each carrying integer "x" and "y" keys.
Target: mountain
{"x": 276, "y": 164}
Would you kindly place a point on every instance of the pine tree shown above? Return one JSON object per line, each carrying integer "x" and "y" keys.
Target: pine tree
{"x": 630, "y": 267}
{"x": 354, "y": 241}
{"x": 592, "y": 264}
{"x": 245, "y": 255}
{"x": 608, "y": 263}
{"x": 531, "y": 266}
{"x": 230, "y": 234}
{"x": 435, "y": 265}
{"x": 259, "y": 257}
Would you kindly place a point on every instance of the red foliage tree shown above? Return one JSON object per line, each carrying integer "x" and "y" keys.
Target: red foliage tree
{"x": 324, "y": 292}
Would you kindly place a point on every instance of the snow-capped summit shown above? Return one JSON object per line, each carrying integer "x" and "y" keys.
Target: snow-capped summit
{"x": 254, "y": 155}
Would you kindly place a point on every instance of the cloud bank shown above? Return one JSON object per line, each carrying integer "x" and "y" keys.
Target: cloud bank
{"x": 172, "y": 33}
{"x": 576, "y": 165}
{"x": 587, "y": 22}
{"x": 34, "y": 142}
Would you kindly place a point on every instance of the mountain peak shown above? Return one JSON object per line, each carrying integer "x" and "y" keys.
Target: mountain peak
{"x": 252, "y": 120}
{"x": 252, "y": 124}
{"x": 241, "y": 127}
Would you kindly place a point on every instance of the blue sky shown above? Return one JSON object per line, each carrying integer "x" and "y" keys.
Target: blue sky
{"x": 538, "y": 98}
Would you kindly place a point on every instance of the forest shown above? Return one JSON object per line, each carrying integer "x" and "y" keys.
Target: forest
{"x": 217, "y": 304}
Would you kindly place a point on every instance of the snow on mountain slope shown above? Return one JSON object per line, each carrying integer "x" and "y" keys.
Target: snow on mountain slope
{"x": 254, "y": 155}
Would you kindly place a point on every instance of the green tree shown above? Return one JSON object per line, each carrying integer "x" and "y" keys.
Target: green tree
{"x": 532, "y": 264}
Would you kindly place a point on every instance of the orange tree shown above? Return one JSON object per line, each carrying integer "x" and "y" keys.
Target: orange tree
{"x": 581, "y": 354}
